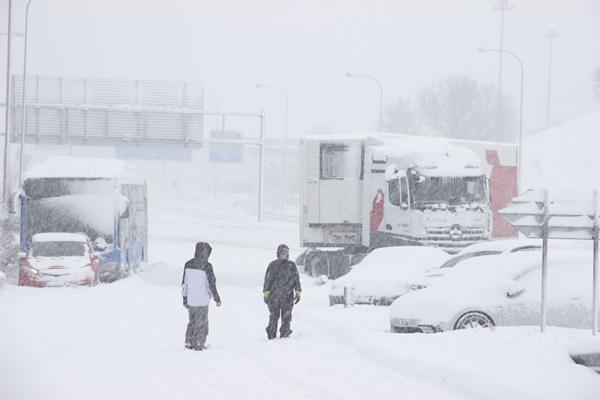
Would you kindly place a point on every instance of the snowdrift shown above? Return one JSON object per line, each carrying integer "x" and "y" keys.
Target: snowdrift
{"x": 564, "y": 156}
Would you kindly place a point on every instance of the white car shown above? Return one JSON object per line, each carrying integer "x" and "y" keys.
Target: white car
{"x": 384, "y": 274}
{"x": 491, "y": 248}
{"x": 501, "y": 290}
{"x": 58, "y": 259}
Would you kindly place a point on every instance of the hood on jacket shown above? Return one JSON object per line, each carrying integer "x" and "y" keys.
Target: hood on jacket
{"x": 203, "y": 251}
{"x": 280, "y": 249}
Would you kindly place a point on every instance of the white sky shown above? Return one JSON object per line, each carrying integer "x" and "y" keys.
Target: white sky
{"x": 307, "y": 46}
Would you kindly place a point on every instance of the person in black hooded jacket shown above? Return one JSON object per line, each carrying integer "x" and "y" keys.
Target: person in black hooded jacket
{"x": 281, "y": 291}
{"x": 198, "y": 285}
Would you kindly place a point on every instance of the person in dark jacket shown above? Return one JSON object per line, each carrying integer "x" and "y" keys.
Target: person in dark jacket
{"x": 198, "y": 286}
{"x": 281, "y": 291}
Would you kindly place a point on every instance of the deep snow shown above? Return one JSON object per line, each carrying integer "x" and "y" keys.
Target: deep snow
{"x": 125, "y": 340}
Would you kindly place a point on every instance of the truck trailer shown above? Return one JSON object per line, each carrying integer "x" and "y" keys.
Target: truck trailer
{"x": 361, "y": 192}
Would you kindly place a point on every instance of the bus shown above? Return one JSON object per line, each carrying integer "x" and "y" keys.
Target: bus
{"x": 104, "y": 199}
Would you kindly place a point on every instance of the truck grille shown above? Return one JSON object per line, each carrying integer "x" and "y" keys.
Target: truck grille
{"x": 455, "y": 236}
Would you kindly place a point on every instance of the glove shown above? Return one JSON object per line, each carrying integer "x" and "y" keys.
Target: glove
{"x": 185, "y": 304}
{"x": 266, "y": 296}
{"x": 297, "y": 297}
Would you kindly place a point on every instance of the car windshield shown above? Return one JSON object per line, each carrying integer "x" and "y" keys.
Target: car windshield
{"x": 447, "y": 190}
{"x": 455, "y": 260}
{"x": 58, "y": 249}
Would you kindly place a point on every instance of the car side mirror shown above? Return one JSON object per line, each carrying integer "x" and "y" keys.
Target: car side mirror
{"x": 100, "y": 244}
{"x": 514, "y": 289}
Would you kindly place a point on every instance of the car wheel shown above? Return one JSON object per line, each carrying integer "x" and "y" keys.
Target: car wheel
{"x": 474, "y": 319}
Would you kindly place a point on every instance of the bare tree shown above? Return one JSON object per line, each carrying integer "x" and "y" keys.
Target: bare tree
{"x": 458, "y": 107}
{"x": 461, "y": 107}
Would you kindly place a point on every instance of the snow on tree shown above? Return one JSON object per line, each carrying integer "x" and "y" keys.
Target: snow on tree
{"x": 457, "y": 107}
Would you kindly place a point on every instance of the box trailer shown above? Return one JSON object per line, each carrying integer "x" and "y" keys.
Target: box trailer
{"x": 361, "y": 192}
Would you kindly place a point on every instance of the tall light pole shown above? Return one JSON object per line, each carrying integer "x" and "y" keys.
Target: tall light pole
{"x": 550, "y": 35}
{"x": 285, "y": 136}
{"x": 7, "y": 105}
{"x": 520, "y": 150}
{"x": 349, "y": 75}
{"x": 23, "y": 95}
{"x": 502, "y": 7}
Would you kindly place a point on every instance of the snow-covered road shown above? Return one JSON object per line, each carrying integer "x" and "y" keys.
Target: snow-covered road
{"x": 125, "y": 340}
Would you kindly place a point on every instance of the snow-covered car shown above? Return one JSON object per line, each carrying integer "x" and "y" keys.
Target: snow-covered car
{"x": 501, "y": 290}
{"x": 384, "y": 274}
{"x": 58, "y": 259}
{"x": 491, "y": 248}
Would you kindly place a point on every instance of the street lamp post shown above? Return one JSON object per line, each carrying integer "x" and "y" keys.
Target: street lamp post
{"x": 7, "y": 103}
{"x": 520, "y": 153}
{"x": 550, "y": 35}
{"x": 349, "y": 75}
{"x": 23, "y": 95}
{"x": 285, "y": 136}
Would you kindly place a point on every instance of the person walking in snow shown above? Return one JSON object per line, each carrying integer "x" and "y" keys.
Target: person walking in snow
{"x": 198, "y": 286}
{"x": 281, "y": 291}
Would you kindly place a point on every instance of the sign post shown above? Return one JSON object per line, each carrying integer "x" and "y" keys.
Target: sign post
{"x": 546, "y": 233}
{"x": 558, "y": 214}
{"x": 595, "y": 272}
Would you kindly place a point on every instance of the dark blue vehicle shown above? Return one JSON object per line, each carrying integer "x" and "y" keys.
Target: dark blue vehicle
{"x": 100, "y": 198}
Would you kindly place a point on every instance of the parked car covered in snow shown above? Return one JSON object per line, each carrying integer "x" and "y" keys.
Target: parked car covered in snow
{"x": 491, "y": 248}
{"x": 501, "y": 290}
{"x": 384, "y": 274}
{"x": 58, "y": 259}
{"x": 481, "y": 249}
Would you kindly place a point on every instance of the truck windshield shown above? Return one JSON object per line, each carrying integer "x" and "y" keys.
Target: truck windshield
{"x": 447, "y": 190}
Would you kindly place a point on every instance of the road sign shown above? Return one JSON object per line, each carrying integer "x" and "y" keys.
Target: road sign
{"x": 226, "y": 152}
{"x": 557, "y": 214}
{"x": 570, "y": 214}
{"x": 154, "y": 153}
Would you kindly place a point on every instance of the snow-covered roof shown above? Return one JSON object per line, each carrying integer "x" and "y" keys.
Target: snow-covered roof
{"x": 59, "y": 237}
{"x": 430, "y": 156}
{"x": 92, "y": 168}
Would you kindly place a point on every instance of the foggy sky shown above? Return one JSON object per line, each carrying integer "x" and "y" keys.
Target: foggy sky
{"x": 306, "y": 47}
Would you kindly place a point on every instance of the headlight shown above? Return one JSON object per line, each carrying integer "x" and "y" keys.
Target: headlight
{"x": 429, "y": 328}
{"x": 30, "y": 270}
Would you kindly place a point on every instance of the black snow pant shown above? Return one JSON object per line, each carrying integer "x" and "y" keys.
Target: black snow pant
{"x": 197, "y": 328}
{"x": 280, "y": 307}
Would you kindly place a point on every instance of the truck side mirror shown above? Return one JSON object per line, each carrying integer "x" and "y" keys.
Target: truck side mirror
{"x": 390, "y": 172}
{"x": 13, "y": 201}
{"x": 124, "y": 208}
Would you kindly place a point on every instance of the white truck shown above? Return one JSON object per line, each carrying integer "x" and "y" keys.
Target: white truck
{"x": 361, "y": 192}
